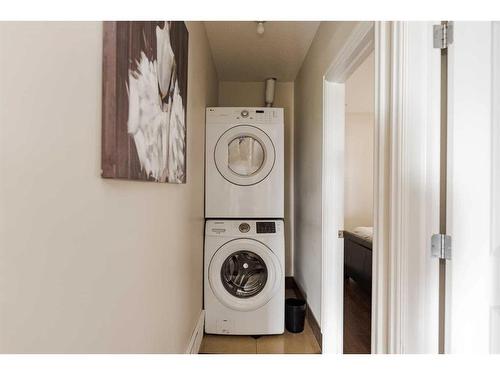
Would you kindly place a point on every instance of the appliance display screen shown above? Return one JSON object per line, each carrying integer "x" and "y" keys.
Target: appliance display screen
{"x": 266, "y": 227}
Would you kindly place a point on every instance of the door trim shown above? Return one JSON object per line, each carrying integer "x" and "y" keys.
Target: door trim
{"x": 381, "y": 160}
{"x": 407, "y": 199}
{"x": 357, "y": 47}
{"x": 406, "y": 180}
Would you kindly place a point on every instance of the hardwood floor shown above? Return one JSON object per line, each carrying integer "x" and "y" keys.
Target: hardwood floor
{"x": 357, "y": 319}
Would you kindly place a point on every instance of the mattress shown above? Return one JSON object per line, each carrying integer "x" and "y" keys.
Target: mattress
{"x": 365, "y": 233}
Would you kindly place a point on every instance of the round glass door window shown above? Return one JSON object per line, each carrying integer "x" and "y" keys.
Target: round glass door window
{"x": 244, "y": 274}
{"x": 245, "y": 155}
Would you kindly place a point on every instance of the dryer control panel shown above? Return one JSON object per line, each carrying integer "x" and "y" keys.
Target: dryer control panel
{"x": 253, "y": 115}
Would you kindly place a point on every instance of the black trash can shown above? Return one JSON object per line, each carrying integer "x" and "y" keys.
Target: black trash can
{"x": 295, "y": 314}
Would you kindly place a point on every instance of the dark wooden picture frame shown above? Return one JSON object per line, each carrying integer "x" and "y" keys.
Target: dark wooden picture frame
{"x": 144, "y": 104}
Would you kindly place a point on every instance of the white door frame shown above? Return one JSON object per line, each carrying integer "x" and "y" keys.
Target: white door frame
{"x": 406, "y": 187}
{"x": 413, "y": 201}
{"x": 357, "y": 47}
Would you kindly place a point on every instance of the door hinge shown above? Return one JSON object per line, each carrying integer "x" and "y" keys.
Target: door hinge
{"x": 441, "y": 246}
{"x": 340, "y": 234}
{"x": 443, "y": 35}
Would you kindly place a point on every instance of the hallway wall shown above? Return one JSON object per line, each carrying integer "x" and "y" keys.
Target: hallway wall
{"x": 241, "y": 94}
{"x": 308, "y": 139}
{"x": 359, "y": 132}
{"x": 358, "y": 184}
{"x": 89, "y": 265}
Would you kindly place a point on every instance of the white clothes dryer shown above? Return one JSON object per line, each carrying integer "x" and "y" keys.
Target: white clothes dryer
{"x": 244, "y": 171}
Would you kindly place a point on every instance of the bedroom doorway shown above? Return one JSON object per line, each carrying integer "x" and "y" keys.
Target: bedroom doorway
{"x": 366, "y": 43}
{"x": 358, "y": 207}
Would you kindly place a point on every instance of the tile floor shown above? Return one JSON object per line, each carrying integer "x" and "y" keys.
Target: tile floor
{"x": 287, "y": 343}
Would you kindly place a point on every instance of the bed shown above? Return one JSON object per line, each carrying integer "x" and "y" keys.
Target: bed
{"x": 358, "y": 256}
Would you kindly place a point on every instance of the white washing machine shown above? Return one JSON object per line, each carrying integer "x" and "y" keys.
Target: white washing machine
{"x": 244, "y": 171}
{"x": 244, "y": 282}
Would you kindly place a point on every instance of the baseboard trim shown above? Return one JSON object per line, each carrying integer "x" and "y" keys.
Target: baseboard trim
{"x": 290, "y": 283}
{"x": 197, "y": 336}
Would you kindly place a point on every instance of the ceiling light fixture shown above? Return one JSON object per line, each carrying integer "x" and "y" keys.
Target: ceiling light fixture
{"x": 260, "y": 27}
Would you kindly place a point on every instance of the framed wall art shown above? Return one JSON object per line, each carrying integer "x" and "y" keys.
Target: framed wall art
{"x": 145, "y": 69}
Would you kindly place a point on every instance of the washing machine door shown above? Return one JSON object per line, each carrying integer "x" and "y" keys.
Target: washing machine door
{"x": 244, "y": 155}
{"x": 244, "y": 274}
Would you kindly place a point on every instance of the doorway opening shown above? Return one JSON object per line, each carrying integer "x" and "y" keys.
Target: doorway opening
{"x": 358, "y": 207}
{"x": 341, "y": 125}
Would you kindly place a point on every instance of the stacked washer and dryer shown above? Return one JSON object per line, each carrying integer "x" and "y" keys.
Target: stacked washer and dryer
{"x": 244, "y": 280}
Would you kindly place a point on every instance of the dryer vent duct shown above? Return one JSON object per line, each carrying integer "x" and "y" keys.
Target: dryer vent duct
{"x": 270, "y": 86}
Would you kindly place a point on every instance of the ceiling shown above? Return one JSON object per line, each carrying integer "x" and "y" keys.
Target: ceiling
{"x": 240, "y": 54}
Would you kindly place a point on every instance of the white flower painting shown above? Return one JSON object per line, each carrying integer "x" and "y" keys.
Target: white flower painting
{"x": 156, "y": 121}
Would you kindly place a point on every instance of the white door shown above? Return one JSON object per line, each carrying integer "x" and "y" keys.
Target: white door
{"x": 473, "y": 273}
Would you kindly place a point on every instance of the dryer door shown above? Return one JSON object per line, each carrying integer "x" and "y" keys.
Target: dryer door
{"x": 244, "y": 274}
{"x": 244, "y": 155}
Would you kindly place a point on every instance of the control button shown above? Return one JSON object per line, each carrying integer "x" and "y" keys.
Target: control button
{"x": 244, "y": 227}
{"x": 244, "y": 113}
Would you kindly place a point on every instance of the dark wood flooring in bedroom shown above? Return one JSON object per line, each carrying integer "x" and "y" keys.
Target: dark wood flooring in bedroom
{"x": 357, "y": 319}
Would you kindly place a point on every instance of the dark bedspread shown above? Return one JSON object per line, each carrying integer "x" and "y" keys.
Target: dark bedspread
{"x": 358, "y": 259}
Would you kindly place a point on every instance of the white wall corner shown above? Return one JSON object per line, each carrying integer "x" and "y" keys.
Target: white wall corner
{"x": 197, "y": 336}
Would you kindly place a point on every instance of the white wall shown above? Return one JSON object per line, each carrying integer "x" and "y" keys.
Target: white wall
{"x": 241, "y": 94}
{"x": 308, "y": 138}
{"x": 359, "y": 130}
{"x": 87, "y": 264}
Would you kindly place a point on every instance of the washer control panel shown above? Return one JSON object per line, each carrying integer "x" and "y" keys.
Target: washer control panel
{"x": 239, "y": 228}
